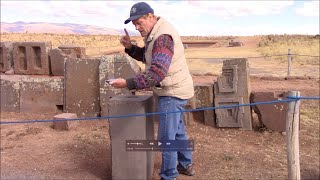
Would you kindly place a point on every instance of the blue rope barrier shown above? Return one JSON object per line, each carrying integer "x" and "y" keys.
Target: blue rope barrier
{"x": 146, "y": 114}
{"x": 302, "y": 97}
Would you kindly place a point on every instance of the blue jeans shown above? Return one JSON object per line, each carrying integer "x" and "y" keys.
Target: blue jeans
{"x": 171, "y": 127}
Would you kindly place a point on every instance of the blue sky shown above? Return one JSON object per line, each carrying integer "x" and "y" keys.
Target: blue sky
{"x": 195, "y": 17}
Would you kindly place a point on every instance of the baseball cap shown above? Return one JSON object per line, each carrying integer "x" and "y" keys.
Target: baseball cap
{"x": 137, "y": 10}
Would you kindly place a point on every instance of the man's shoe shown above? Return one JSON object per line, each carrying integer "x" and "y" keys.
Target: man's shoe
{"x": 189, "y": 171}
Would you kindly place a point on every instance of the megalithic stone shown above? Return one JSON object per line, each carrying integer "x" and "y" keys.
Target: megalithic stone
{"x": 10, "y": 93}
{"x": 31, "y": 57}
{"x": 6, "y": 60}
{"x": 115, "y": 66}
{"x": 41, "y": 94}
{"x": 273, "y": 116}
{"x": 128, "y": 164}
{"x": 81, "y": 87}
{"x": 231, "y": 89}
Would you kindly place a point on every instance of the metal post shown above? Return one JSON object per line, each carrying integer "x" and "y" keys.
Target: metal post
{"x": 292, "y": 132}
{"x": 289, "y": 62}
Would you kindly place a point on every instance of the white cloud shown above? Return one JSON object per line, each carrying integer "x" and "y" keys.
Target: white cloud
{"x": 310, "y": 8}
{"x": 241, "y": 8}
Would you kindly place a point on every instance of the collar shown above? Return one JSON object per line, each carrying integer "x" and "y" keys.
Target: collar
{"x": 155, "y": 29}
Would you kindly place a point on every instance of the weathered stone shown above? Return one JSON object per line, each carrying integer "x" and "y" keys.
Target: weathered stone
{"x": 131, "y": 165}
{"x": 81, "y": 87}
{"x": 65, "y": 125}
{"x": 203, "y": 98}
{"x": 6, "y": 61}
{"x": 31, "y": 57}
{"x": 10, "y": 93}
{"x": 41, "y": 94}
{"x": 79, "y": 51}
{"x": 115, "y": 66}
{"x": 233, "y": 87}
{"x": 273, "y": 116}
{"x": 57, "y": 57}
{"x": 229, "y": 116}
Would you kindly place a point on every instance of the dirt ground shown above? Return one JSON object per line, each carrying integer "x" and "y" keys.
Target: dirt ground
{"x": 36, "y": 151}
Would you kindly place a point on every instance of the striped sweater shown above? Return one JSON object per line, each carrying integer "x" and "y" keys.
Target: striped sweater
{"x": 162, "y": 53}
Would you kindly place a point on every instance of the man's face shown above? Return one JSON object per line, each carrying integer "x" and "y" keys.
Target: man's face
{"x": 143, "y": 25}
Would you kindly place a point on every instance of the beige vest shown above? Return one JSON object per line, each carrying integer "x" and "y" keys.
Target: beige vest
{"x": 178, "y": 81}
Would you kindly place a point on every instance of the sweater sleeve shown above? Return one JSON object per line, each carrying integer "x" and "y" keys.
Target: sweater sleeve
{"x": 162, "y": 53}
{"x": 136, "y": 52}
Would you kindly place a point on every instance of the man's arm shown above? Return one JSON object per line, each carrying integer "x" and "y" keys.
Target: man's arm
{"x": 136, "y": 53}
{"x": 162, "y": 53}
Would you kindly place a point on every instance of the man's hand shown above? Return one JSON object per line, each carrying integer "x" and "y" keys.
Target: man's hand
{"x": 118, "y": 83}
{"x": 125, "y": 40}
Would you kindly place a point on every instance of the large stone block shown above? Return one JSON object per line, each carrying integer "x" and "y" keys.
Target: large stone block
{"x": 10, "y": 93}
{"x": 41, "y": 94}
{"x": 273, "y": 116}
{"x": 234, "y": 86}
{"x": 57, "y": 57}
{"x": 115, "y": 66}
{"x": 137, "y": 164}
{"x": 79, "y": 51}
{"x": 203, "y": 97}
{"x": 81, "y": 86}
{"x": 229, "y": 116}
{"x": 31, "y": 57}
{"x": 6, "y": 61}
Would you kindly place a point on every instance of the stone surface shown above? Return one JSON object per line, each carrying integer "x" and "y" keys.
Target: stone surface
{"x": 80, "y": 52}
{"x": 41, "y": 94}
{"x": 57, "y": 57}
{"x": 138, "y": 164}
{"x": 111, "y": 67}
{"x": 31, "y": 58}
{"x": 10, "y": 93}
{"x": 65, "y": 125}
{"x": 81, "y": 87}
{"x": 233, "y": 87}
{"x": 273, "y": 116}
{"x": 6, "y": 61}
{"x": 203, "y": 98}
{"x": 229, "y": 116}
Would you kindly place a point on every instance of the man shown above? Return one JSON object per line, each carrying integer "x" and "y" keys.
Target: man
{"x": 168, "y": 75}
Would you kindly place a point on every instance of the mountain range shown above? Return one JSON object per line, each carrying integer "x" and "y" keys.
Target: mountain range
{"x": 59, "y": 28}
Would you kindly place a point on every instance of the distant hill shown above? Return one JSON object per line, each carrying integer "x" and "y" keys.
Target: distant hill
{"x": 59, "y": 28}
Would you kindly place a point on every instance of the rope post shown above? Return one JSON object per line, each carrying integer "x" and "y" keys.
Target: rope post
{"x": 292, "y": 132}
{"x": 289, "y": 62}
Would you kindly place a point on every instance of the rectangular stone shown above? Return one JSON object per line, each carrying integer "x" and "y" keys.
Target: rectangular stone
{"x": 203, "y": 98}
{"x": 31, "y": 57}
{"x": 80, "y": 52}
{"x": 65, "y": 125}
{"x": 81, "y": 87}
{"x": 231, "y": 116}
{"x": 137, "y": 164}
{"x": 57, "y": 57}
{"x": 10, "y": 93}
{"x": 41, "y": 94}
{"x": 111, "y": 67}
{"x": 6, "y": 61}
{"x": 235, "y": 84}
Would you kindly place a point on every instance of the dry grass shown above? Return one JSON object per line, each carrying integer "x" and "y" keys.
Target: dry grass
{"x": 299, "y": 44}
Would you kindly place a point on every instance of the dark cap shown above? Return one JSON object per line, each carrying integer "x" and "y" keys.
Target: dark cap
{"x": 137, "y": 10}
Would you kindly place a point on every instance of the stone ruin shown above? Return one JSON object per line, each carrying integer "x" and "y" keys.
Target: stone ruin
{"x": 64, "y": 80}
{"x": 233, "y": 43}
